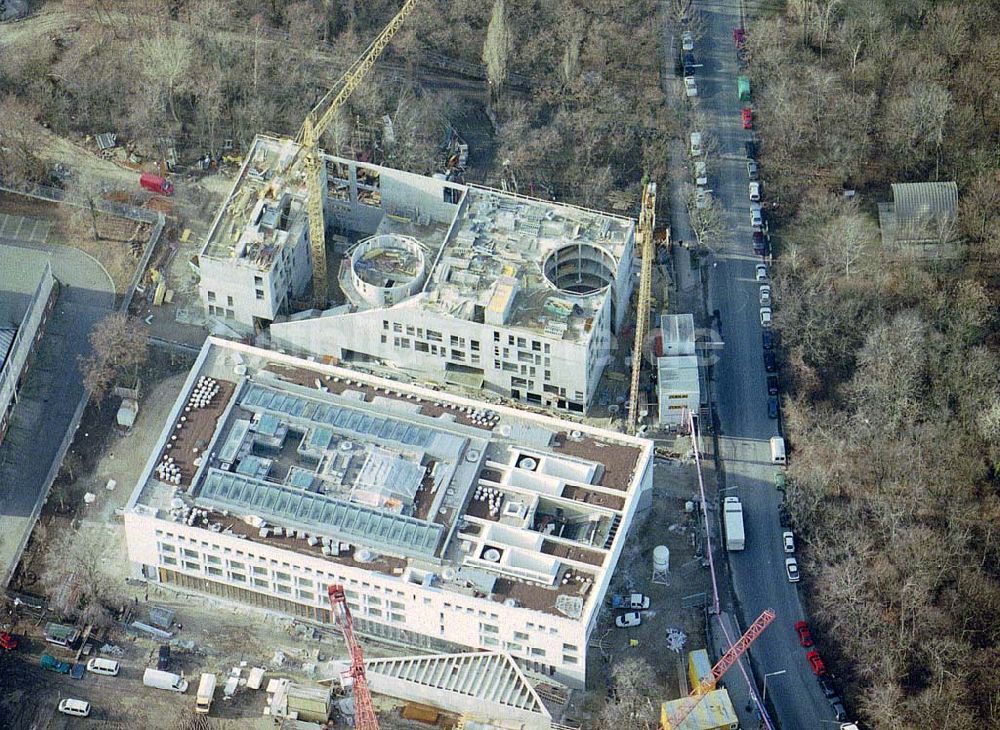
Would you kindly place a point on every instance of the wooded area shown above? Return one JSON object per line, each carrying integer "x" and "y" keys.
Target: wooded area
{"x": 893, "y": 405}
{"x": 199, "y": 72}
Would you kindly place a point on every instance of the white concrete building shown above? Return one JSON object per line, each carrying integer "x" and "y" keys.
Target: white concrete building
{"x": 678, "y": 384}
{"x": 27, "y": 295}
{"x": 450, "y": 526}
{"x": 440, "y": 281}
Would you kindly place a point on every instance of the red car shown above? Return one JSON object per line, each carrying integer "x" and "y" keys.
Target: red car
{"x": 8, "y": 642}
{"x": 802, "y": 629}
{"x": 739, "y": 36}
{"x": 818, "y": 667}
{"x": 747, "y": 116}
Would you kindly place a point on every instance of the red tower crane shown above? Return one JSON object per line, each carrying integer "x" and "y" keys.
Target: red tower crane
{"x": 364, "y": 710}
{"x": 707, "y": 684}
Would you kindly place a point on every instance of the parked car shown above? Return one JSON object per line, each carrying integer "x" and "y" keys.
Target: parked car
{"x": 636, "y": 601}
{"x": 689, "y": 64}
{"x": 628, "y": 620}
{"x": 772, "y": 406}
{"x": 792, "y": 570}
{"x": 826, "y": 687}
{"x": 754, "y": 192}
{"x": 687, "y": 40}
{"x": 700, "y": 173}
{"x": 750, "y": 147}
{"x": 760, "y": 270}
{"x": 772, "y": 383}
{"x": 802, "y": 629}
{"x": 753, "y": 171}
{"x": 815, "y": 661}
{"x": 765, "y": 316}
{"x": 163, "y": 658}
{"x": 739, "y": 36}
{"x": 767, "y": 339}
{"x": 746, "y": 116}
{"x": 838, "y": 710}
{"x": 690, "y": 87}
{"x": 788, "y": 542}
{"x": 770, "y": 365}
{"x": 756, "y": 217}
{"x": 759, "y": 243}
{"x": 54, "y": 665}
{"x": 8, "y": 642}
{"x": 779, "y": 481}
{"x": 765, "y": 295}
{"x": 78, "y": 708}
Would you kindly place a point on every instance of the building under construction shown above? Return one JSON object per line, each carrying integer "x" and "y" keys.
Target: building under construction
{"x": 457, "y": 284}
{"x": 451, "y": 526}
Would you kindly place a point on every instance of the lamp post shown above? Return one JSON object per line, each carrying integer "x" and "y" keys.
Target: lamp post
{"x": 763, "y": 699}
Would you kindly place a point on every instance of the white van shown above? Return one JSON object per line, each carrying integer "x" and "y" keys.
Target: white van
{"x": 103, "y": 666}
{"x": 777, "y": 450}
{"x": 695, "y": 144}
{"x": 74, "y": 707}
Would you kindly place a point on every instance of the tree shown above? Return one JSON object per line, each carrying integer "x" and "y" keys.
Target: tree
{"x": 120, "y": 347}
{"x": 20, "y": 141}
{"x": 636, "y": 697}
{"x": 74, "y": 573}
{"x": 497, "y": 48}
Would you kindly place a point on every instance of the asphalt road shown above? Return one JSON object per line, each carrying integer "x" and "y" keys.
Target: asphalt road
{"x": 53, "y": 389}
{"x": 758, "y": 572}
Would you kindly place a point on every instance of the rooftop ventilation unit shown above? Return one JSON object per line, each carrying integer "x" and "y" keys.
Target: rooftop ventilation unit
{"x": 515, "y": 509}
{"x": 491, "y": 555}
{"x": 527, "y": 463}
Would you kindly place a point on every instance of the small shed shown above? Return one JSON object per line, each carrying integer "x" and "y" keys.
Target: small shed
{"x": 920, "y": 214}
{"x": 127, "y": 413}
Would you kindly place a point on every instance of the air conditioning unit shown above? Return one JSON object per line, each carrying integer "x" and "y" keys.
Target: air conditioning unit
{"x": 517, "y": 510}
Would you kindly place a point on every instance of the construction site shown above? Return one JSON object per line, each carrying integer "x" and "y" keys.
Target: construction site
{"x": 435, "y": 449}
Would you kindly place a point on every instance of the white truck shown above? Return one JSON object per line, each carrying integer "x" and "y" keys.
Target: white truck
{"x": 206, "y": 693}
{"x": 164, "y": 680}
{"x": 733, "y": 514}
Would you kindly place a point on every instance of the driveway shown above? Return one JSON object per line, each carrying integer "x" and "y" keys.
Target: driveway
{"x": 758, "y": 572}
{"x": 50, "y": 396}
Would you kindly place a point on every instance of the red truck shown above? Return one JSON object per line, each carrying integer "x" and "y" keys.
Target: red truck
{"x": 8, "y": 642}
{"x": 156, "y": 184}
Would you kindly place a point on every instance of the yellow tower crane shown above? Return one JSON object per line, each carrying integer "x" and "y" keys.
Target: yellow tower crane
{"x": 308, "y": 155}
{"x": 647, "y": 250}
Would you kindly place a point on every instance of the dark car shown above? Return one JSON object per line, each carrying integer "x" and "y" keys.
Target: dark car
{"x": 770, "y": 363}
{"x": 838, "y": 709}
{"x": 163, "y": 660}
{"x": 772, "y": 407}
{"x": 689, "y": 64}
{"x": 768, "y": 339}
{"x": 759, "y": 243}
{"x": 802, "y": 629}
{"x": 751, "y": 149}
{"x": 826, "y": 687}
{"x": 772, "y": 384}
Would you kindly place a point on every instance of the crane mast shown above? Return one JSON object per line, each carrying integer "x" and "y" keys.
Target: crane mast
{"x": 644, "y": 243}
{"x": 707, "y": 684}
{"x": 316, "y": 123}
{"x": 364, "y": 709}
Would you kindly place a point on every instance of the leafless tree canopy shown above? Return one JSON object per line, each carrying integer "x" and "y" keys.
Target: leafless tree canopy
{"x": 120, "y": 347}
{"x": 893, "y": 393}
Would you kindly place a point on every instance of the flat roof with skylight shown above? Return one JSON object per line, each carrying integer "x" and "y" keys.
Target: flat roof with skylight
{"x": 496, "y": 503}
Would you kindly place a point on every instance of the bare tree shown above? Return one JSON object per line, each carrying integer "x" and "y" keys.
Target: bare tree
{"x": 497, "y": 48}
{"x": 635, "y": 700}
{"x": 20, "y": 141}
{"x": 120, "y": 347}
{"x": 75, "y": 572}
{"x": 707, "y": 221}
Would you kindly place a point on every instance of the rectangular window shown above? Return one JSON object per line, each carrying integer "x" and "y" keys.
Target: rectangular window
{"x": 167, "y": 560}
{"x": 496, "y": 336}
{"x": 260, "y": 294}
{"x": 420, "y": 346}
{"x": 278, "y": 575}
{"x": 397, "y": 617}
{"x": 238, "y": 577}
{"x": 305, "y": 583}
{"x": 384, "y": 339}
{"x": 213, "y": 560}
{"x": 259, "y": 570}
{"x": 489, "y": 641}
{"x": 374, "y": 601}
{"x": 307, "y": 596}
{"x": 191, "y": 566}
{"x": 520, "y": 636}
{"x": 166, "y": 547}
{"x": 536, "y": 345}
{"x": 535, "y": 651}
{"x": 457, "y": 355}
{"x": 397, "y": 327}
{"x": 521, "y": 342}
{"x": 190, "y": 553}
{"x": 570, "y": 647}
{"x": 474, "y": 345}
{"x": 411, "y": 330}
{"x": 385, "y": 324}
{"x": 376, "y": 612}
{"x": 548, "y": 348}
{"x": 434, "y": 336}
{"x": 512, "y": 647}
{"x": 489, "y": 629}
{"x": 229, "y": 301}
{"x": 258, "y": 281}
{"x": 569, "y": 659}
{"x": 211, "y": 296}
{"x": 286, "y": 590}
{"x": 214, "y": 571}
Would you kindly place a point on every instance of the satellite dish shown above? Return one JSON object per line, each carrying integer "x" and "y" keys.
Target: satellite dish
{"x": 472, "y": 455}
{"x": 528, "y": 463}
{"x": 491, "y": 555}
